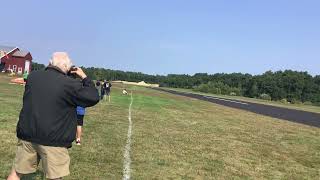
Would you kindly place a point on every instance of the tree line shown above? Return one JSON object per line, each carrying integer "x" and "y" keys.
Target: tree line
{"x": 286, "y": 86}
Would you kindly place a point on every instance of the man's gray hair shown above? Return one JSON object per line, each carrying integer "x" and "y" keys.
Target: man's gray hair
{"x": 61, "y": 60}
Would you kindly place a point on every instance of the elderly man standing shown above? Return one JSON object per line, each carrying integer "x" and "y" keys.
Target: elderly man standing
{"x": 48, "y": 120}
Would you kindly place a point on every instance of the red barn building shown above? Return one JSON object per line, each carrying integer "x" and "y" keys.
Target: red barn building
{"x": 12, "y": 59}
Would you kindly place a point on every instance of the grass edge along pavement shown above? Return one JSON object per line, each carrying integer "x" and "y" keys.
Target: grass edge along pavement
{"x": 177, "y": 138}
{"x": 303, "y": 107}
{"x": 281, "y": 113}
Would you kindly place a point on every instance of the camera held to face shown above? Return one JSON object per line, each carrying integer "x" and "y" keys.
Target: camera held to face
{"x": 73, "y": 75}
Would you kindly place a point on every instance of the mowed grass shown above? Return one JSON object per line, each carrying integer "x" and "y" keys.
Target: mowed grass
{"x": 184, "y": 138}
{"x": 105, "y": 128}
{"x": 176, "y": 138}
{"x": 302, "y": 107}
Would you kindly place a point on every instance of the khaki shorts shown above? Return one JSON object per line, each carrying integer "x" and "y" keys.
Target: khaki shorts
{"x": 55, "y": 160}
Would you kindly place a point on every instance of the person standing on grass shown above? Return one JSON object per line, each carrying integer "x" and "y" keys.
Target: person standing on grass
{"x": 107, "y": 90}
{"x": 98, "y": 87}
{"x": 47, "y": 122}
{"x": 80, "y": 115}
{"x": 25, "y": 76}
{"x": 102, "y": 91}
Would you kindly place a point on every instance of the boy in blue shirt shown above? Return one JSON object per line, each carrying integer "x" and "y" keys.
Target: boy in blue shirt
{"x": 80, "y": 115}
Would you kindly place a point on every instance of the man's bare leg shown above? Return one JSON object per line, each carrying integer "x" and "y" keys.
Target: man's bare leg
{"x": 79, "y": 133}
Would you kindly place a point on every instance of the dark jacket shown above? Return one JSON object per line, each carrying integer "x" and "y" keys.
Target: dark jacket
{"x": 107, "y": 86}
{"x": 48, "y": 116}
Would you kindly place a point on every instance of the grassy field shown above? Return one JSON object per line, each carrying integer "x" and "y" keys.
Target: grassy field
{"x": 176, "y": 138}
{"x": 302, "y": 107}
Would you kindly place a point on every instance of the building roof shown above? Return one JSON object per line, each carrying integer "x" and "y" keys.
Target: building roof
{"x": 20, "y": 53}
{"x": 6, "y": 50}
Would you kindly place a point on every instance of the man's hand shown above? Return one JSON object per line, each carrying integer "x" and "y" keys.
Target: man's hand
{"x": 78, "y": 71}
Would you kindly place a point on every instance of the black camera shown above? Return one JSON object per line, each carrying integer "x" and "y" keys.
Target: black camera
{"x": 73, "y": 68}
{"x": 73, "y": 75}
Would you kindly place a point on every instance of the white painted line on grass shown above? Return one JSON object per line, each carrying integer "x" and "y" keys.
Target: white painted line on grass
{"x": 126, "y": 155}
{"x": 226, "y": 100}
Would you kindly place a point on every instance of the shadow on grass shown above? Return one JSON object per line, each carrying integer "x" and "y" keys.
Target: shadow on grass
{"x": 39, "y": 175}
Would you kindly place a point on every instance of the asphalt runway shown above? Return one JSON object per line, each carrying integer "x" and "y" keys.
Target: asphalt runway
{"x": 297, "y": 116}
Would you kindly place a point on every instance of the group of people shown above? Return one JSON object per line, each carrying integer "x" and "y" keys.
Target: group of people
{"x": 104, "y": 89}
{"x": 52, "y": 111}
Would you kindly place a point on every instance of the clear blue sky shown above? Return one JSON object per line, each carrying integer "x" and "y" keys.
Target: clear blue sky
{"x": 169, "y": 36}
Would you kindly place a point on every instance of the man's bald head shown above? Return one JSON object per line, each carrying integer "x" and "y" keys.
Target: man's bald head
{"x": 61, "y": 60}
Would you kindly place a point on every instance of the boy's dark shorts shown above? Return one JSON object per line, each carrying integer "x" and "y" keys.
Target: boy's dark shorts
{"x": 80, "y": 120}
